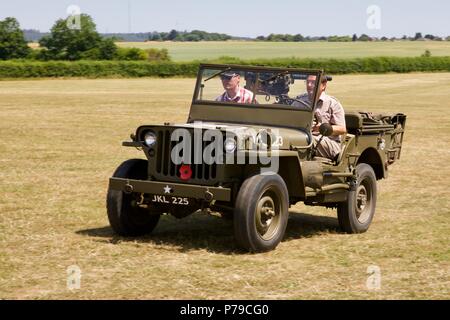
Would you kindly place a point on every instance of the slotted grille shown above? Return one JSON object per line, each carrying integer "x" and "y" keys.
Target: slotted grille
{"x": 165, "y": 166}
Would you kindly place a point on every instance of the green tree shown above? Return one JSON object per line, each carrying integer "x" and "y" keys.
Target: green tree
{"x": 66, "y": 43}
{"x": 364, "y": 37}
{"x": 179, "y": 37}
{"x": 298, "y": 38}
{"x": 154, "y": 54}
{"x": 108, "y": 49}
{"x": 155, "y": 36}
{"x": 192, "y": 37}
{"x": 172, "y": 35}
{"x": 418, "y": 36}
{"x": 339, "y": 39}
{"x": 131, "y": 54}
{"x": 12, "y": 41}
{"x": 426, "y": 54}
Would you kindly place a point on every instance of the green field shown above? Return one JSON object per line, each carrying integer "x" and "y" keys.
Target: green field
{"x": 186, "y": 51}
{"x": 61, "y": 141}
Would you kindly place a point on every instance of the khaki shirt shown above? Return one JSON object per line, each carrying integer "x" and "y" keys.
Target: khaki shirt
{"x": 328, "y": 110}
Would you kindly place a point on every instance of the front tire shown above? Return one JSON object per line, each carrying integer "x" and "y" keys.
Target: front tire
{"x": 261, "y": 213}
{"x": 125, "y": 216}
{"x": 356, "y": 214}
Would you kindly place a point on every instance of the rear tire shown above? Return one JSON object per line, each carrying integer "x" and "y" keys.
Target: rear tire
{"x": 125, "y": 217}
{"x": 356, "y": 214}
{"x": 261, "y": 213}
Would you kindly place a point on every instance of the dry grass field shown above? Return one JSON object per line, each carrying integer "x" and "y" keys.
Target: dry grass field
{"x": 61, "y": 140}
{"x": 187, "y": 51}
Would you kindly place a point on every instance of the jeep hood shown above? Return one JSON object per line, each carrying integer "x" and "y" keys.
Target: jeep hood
{"x": 286, "y": 138}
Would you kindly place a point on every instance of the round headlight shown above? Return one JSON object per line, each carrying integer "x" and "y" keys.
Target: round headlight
{"x": 229, "y": 145}
{"x": 150, "y": 138}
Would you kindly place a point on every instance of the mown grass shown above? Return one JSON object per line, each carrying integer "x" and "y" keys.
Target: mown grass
{"x": 61, "y": 140}
{"x": 187, "y": 51}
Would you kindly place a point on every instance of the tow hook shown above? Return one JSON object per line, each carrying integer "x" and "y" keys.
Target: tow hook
{"x": 208, "y": 195}
{"x": 128, "y": 188}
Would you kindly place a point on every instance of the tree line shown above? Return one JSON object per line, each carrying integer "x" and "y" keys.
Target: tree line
{"x": 194, "y": 35}
{"x": 363, "y": 37}
{"x": 69, "y": 43}
{"x": 198, "y": 35}
{"x": 173, "y": 35}
{"x": 85, "y": 43}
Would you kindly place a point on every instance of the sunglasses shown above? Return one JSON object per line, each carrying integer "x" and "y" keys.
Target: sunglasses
{"x": 225, "y": 77}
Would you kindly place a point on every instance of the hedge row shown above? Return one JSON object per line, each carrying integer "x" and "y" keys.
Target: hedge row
{"x": 100, "y": 69}
{"x": 356, "y": 65}
{"x": 94, "y": 69}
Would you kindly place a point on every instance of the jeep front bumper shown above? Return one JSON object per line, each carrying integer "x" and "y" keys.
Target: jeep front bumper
{"x": 173, "y": 189}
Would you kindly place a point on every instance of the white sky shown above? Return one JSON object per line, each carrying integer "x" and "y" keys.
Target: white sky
{"x": 242, "y": 18}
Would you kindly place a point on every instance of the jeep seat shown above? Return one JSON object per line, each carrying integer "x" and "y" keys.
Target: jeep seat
{"x": 353, "y": 122}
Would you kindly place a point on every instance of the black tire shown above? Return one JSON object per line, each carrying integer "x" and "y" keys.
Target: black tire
{"x": 356, "y": 214}
{"x": 126, "y": 218}
{"x": 261, "y": 213}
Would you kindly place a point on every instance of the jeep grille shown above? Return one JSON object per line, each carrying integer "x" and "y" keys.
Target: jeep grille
{"x": 166, "y": 169}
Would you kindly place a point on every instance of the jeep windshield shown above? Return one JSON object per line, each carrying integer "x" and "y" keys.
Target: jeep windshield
{"x": 259, "y": 87}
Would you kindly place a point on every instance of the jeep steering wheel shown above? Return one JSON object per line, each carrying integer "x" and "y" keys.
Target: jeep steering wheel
{"x": 285, "y": 99}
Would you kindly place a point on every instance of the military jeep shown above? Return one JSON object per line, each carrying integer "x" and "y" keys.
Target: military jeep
{"x": 251, "y": 161}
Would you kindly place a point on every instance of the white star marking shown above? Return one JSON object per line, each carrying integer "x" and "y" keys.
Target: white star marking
{"x": 167, "y": 189}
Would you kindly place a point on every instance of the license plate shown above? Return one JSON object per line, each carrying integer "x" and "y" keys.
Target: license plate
{"x": 170, "y": 200}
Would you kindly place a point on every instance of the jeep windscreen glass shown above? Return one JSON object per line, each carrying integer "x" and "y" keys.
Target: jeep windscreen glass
{"x": 224, "y": 86}
{"x": 274, "y": 88}
{"x": 284, "y": 88}
{"x": 217, "y": 74}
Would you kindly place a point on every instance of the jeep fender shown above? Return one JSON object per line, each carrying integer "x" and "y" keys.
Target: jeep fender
{"x": 372, "y": 157}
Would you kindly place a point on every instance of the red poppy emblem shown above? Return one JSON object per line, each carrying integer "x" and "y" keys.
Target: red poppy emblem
{"x": 185, "y": 172}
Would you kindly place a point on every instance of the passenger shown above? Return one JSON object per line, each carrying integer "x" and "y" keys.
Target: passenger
{"x": 327, "y": 110}
{"x": 233, "y": 91}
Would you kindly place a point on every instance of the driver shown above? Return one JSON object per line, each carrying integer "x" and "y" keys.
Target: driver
{"x": 233, "y": 91}
{"x": 327, "y": 110}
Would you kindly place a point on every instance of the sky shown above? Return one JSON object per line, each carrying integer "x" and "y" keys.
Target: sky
{"x": 245, "y": 18}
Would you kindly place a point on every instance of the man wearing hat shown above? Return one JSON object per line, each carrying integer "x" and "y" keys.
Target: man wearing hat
{"x": 234, "y": 92}
{"x": 327, "y": 110}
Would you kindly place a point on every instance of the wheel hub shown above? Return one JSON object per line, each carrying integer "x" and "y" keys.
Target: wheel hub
{"x": 266, "y": 217}
{"x": 363, "y": 202}
{"x": 361, "y": 198}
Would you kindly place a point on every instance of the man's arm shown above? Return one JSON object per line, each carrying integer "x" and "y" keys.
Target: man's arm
{"x": 338, "y": 119}
{"x": 338, "y": 130}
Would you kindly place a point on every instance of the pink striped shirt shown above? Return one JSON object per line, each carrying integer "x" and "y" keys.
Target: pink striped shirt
{"x": 243, "y": 96}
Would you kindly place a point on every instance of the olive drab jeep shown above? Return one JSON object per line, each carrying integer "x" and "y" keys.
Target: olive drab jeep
{"x": 250, "y": 156}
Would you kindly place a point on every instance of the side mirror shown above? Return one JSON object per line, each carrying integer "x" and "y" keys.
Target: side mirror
{"x": 326, "y": 129}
